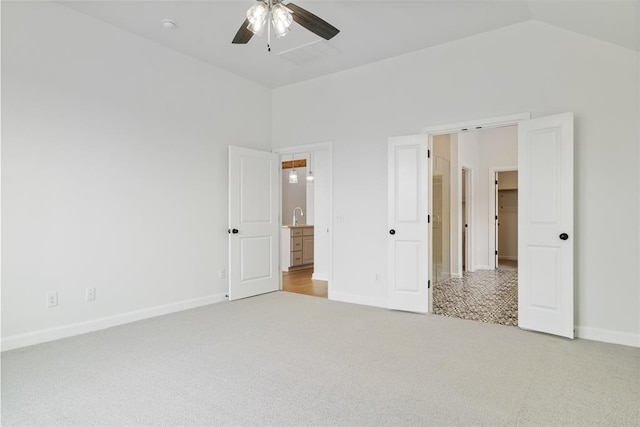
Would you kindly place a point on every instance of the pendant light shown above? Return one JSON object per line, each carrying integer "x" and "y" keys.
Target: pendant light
{"x": 293, "y": 174}
{"x": 310, "y": 176}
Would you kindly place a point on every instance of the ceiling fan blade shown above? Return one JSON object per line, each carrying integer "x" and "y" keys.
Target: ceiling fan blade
{"x": 312, "y": 23}
{"x": 244, "y": 34}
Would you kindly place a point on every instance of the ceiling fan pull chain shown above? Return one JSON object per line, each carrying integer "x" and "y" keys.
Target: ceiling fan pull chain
{"x": 269, "y": 28}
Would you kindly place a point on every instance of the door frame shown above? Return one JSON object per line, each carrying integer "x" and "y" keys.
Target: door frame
{"x": 328, "y": 145}
{"x": 493, "y": 203}
{"x": 468, "y": 212}
{"x": 456, "y": 127}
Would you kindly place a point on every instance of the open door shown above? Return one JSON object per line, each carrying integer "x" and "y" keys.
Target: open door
{"x": 545, "y": 225}
{"x": 408, "y": 209}
{"x": 496, "y": 224}
{"x": 253, "y": 223}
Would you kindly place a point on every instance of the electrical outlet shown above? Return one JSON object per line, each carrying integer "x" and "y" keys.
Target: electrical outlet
{"x": 52, "y": 299}
{"x": 91, "y": 294}
{"x": 377, "y": 278}
{"x": 222, "y": 273}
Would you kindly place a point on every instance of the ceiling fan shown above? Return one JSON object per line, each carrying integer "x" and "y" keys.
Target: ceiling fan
{"x": 277, "y": 17}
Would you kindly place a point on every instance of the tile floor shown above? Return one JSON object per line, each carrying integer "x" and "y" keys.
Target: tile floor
{"x": 489, "y": 296}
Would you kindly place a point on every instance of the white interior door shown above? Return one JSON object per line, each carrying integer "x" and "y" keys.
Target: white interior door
{"x": 545, "y": 225}
{"x": 253, "y": 223}
{"x": 408, "y": 209}
{"x": 496, "y": 223}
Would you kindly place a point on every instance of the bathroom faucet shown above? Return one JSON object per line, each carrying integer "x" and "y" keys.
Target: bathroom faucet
{"x": 294, "y": 214}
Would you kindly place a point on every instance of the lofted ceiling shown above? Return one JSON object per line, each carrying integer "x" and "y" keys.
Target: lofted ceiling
{"x": 370, "y": 30}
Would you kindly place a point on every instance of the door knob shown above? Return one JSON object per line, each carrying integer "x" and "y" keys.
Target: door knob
{"x": 564, "y": 236}
{"x": 234, "y": 231}
{"x": 392, "y": 231}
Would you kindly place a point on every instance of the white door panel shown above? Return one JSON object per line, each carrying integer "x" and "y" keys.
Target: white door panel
{"x": 253, "y": 222}
{"x": 408, "y": 205}
{"x": 545, "y": 226}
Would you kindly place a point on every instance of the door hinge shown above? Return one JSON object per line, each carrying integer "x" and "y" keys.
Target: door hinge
{"x": 496, "y": 182}
{"x": 429, "y": 284}
{"x": 496, "y": 252}
{"x": 428, "y": 154}
{"x": 428, "y": 219}
{"x": 496, "y": 217}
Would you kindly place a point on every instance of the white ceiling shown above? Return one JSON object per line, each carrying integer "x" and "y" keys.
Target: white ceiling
{"x": 370, "y": 30}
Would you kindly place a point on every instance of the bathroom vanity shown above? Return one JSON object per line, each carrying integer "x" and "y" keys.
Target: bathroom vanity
{"x": 296, "y": 247}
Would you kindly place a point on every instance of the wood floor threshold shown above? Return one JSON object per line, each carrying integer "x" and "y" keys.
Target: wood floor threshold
{"x": 300, "y": 282}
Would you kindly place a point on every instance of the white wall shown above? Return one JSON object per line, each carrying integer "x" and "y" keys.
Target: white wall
{"x": 508, "y": 180}
{"x": 441, "y": 146}
{"x": 528, "y": 67}
{"x": 484, "y": 151}
{"x": 498, "y": 151}
{"x": 114, "y": 172}
{"x": 638, "y": 121}
{"x": 442, "y": 169}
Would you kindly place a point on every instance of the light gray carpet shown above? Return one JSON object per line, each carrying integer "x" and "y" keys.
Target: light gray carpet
{"x": 288, "y": 359}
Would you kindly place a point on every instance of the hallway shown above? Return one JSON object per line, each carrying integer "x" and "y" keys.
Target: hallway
{"x": 489, "y": 296}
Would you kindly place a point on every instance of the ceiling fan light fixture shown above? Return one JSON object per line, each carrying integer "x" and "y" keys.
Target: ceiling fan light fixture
{"x": 280, "y": 29}
{"x": 281, "y": 19}
{"x": 257, "y": 27}
{"x": 257, "y": 16}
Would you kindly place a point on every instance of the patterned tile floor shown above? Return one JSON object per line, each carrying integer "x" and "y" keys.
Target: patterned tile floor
{"x": 489, "y": 296}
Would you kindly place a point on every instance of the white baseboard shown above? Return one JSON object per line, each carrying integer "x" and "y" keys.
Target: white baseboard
{"x": 508, "y": 258}
{"x": 482, "y": 267}
{"x": 319, "y": 277}
{"x": 606, "y": 335}
{"x": 456, "y": 275}
{"x": 50, "y": 334}
{"x": 358, "y": 299}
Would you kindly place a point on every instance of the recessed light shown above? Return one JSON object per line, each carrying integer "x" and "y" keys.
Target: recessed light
{"x": 168, "y": 24}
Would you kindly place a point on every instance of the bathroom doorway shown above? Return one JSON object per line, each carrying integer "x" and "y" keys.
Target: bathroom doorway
{"x": 305, "y": 213}
{"x": 474, "y": 225}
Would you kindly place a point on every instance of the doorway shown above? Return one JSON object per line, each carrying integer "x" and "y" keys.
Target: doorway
{"x": 506, "y": 219}
{"x": 464, "y": 286}
{"x": 305, "y": 214}
{"x": 545, "y": 281}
